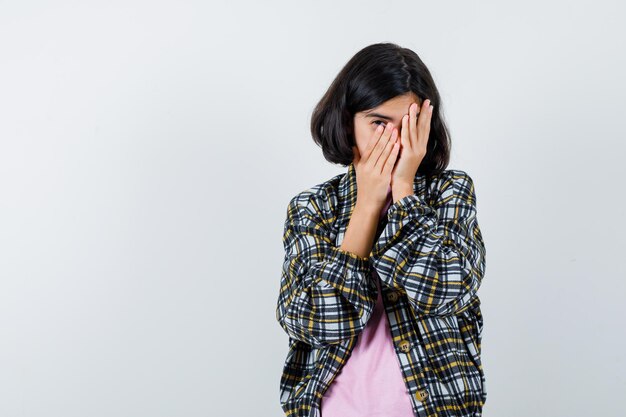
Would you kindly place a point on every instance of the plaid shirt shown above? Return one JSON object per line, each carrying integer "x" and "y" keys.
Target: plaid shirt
{"x": 430, "y": 258}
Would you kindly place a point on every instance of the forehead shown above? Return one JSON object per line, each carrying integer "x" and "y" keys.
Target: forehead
{"x": 394, "y": 108}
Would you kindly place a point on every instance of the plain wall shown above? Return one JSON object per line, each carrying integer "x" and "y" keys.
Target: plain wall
{"x": 148, "y": 151}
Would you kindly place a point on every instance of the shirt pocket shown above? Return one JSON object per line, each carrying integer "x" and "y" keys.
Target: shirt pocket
{"x": 445, "y": 349}
{"x": 450, "y": 362}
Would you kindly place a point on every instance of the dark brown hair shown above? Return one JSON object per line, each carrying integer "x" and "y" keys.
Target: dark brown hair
{"x": 377, "y": 73}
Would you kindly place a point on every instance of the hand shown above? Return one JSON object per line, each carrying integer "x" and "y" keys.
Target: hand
{"x": 413, "y": 141}
{"x": 373, "y": 168}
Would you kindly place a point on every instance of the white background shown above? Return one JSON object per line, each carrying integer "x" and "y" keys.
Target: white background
{"x": 149, "y": 149}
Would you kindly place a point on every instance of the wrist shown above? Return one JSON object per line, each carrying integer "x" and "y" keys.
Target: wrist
{"x": 367, "y": 209}
{"x": 400, "y": 191}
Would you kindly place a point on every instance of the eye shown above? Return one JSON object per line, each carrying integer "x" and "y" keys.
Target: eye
{"x": 378, "y": 121}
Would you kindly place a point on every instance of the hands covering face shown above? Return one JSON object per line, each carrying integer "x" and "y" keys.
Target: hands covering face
{"x": 389, "y": 160}
{"x": 413, "y": 140}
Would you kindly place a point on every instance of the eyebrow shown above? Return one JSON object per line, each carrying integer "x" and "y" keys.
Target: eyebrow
{"x": 381, "y": 116}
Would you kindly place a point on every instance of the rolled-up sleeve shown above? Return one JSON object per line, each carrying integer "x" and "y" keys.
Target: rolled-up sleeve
{"x": 435, "y": 255}
{"x": 324, "y": 296}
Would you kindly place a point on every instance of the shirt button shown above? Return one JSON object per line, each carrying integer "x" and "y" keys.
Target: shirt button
{"x": 392, "y": 296}
{"x": 404, "y": 345}
{"x": 421, "y": 395}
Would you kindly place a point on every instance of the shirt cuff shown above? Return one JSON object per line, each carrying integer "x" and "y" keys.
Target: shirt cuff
{"x": 407, "y": 205}
{"x": 349, "y": 259}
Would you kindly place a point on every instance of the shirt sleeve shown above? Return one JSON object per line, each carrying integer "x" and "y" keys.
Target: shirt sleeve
{"x": 325, "y": 295}
{"x": 434, "y": 255}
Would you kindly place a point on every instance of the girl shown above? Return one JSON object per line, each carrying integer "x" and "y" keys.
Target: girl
{"x": 378, "y": 292}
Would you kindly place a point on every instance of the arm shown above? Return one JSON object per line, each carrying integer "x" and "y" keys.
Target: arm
{"x": 325, "y": 293}
{"x": 434, "y": 255}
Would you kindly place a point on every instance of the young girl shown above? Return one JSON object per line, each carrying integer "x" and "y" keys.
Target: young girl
{"x": 378, "y": 292}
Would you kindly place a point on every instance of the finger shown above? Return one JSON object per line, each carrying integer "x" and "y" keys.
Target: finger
{"x": 391, "y": 160}
{"x": 373, "y": 142}
{"x": 424, "y": 124}
{"x": 393, "y": 140}
{"x": 423, "y": 114}
{"x": 380, "y": 146}
{"x": 413, "y": 124}
{"x": 405, "y": 137}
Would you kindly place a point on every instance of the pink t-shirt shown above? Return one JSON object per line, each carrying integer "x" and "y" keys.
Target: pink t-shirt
{"x": 370, "y": 383}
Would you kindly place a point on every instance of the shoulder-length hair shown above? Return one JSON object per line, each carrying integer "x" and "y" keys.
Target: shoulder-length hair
{"x": 378, "y": 73}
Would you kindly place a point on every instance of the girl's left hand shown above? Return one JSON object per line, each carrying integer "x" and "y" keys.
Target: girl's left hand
{"x": 413, "y": 141}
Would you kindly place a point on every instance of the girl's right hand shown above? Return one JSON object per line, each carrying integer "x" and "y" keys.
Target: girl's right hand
{"x": 373, "y": 168}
